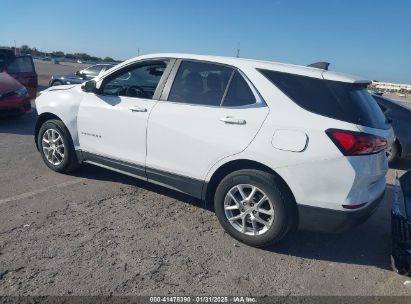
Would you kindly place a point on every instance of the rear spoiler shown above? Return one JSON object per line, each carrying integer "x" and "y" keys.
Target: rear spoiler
{"x": 320, "y": 65}
{"x": 401, "y": 225}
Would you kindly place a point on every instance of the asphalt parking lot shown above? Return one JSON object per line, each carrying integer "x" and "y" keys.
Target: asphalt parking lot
{"x": 98, "y": 232}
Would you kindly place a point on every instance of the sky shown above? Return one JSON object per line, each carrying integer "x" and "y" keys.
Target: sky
{"x": 363, "y": 37}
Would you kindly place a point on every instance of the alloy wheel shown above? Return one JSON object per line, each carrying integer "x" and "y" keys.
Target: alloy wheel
{"x": 248, "y": 209}
{"x": 53, "y": 147}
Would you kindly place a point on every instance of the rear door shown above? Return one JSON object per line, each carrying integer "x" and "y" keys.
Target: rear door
{"x": 22, "y": 69}
{"x": 208, "y": 112}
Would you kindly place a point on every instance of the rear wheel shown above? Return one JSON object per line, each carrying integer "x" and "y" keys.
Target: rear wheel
{"x": 56, "y": 147}
{"x": 253, "y": 207}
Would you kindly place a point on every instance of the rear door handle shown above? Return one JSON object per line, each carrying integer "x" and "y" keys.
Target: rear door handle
{"x": 233, "y": 120}
{"x": 138, "y": 109}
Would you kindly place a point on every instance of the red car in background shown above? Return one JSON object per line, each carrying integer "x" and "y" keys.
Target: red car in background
{"x": 14, "y": 97}
{"x": 21, "y": 68}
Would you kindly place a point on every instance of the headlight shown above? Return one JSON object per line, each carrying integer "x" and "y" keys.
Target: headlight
{"x": 21, "y": 92}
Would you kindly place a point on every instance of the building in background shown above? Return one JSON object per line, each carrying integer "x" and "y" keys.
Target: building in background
{"x": 386, "y": 87}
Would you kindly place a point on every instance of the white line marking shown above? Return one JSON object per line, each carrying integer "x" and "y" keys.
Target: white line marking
{"x": 38, "y": 191}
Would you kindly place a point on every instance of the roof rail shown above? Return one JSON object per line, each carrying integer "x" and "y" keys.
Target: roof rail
{"x": 320, "y": 65}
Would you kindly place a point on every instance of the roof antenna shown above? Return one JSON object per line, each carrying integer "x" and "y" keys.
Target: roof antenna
{"x": 238, "y": 50}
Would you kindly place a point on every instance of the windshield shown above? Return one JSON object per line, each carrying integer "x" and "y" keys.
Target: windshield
{"x": 23, "y": 64}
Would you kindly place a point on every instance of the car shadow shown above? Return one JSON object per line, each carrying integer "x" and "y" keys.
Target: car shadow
{"x": 367, "y": 244}
{"x": 88, "y": 171}
{"x": 20, "y": 125}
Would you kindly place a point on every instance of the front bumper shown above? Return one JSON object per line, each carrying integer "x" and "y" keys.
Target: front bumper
{"x": 328, "y": 220}
{"x": 15, "y": 106}
{"x": 401, "y": 226}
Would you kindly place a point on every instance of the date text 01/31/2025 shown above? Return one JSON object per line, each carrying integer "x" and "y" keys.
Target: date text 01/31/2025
{"x": 202, "y": 299}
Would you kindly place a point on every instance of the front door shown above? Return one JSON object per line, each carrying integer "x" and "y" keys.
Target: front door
{"x": 113, "y": 122}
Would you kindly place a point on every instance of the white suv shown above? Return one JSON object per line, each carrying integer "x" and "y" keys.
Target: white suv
{"x": 273, "y": 146}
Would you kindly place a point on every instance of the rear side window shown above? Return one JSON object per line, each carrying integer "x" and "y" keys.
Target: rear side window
{"x": 239, "y": 93}
{"x": 339, "y": 100}
{"x": 21, "y": 65}
{"x": 200, "y": 83}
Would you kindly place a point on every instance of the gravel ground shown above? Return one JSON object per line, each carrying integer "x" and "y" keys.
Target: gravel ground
{"x": 97, "y": 232}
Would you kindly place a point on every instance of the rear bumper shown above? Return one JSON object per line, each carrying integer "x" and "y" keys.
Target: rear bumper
{"x": 328, "y": 220}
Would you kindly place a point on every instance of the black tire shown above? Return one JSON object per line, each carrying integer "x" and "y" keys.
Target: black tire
{"x": 399, "y": 266}
{"x": 393, "y": 156}
{"x": 282, "y": 205}
{"x": 56, "y": 83}
{"x": 69, "y": 162}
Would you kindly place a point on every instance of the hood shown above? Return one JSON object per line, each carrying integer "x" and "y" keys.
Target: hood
{"x": 66, "y": 76}
{"x": 8, "y": 83}
{"x": 60, "y": 88}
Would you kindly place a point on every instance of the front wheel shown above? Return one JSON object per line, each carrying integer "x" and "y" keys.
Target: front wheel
{"x": 56, "y": 147}
{"x": 56, "y": 83}
{"x": 253, "y": 207}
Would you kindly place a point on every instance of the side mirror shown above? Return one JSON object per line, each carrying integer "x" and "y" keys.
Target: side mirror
{"x": 77, "y": 73}
{"x": 89, "y": 86}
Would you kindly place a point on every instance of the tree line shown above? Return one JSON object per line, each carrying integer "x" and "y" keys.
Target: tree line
{"x": 26, "y": 50}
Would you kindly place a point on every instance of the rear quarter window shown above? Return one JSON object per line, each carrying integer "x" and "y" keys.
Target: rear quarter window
{"x": 338, "y": 100}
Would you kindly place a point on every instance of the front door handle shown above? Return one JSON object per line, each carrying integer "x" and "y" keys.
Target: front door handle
{"x": 138, "y": 109}
{"x": 233, "y": 120}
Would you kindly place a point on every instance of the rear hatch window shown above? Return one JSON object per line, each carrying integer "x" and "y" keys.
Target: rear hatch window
{"x": 349, "y": 102}
{"x": 23, "y": 64}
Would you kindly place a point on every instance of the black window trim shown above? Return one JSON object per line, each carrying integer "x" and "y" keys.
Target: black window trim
{"x": 169, "y": 66}
{"x": 167, "y": 88}
{"x": 227, "y": 87}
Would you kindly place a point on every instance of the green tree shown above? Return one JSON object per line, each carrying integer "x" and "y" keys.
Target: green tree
{"x": 25, "y": 49}
{"x": 58, "y": 54}
{"x": 108, "y": 59}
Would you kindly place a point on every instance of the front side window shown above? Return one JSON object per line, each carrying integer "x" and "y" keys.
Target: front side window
{"x": 140, "y": 81}
{"x": 200, "y": 83}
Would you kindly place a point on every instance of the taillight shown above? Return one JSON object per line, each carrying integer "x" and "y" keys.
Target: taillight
{"x": 352, "y": 207}
{"x": 353, "y": 143}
